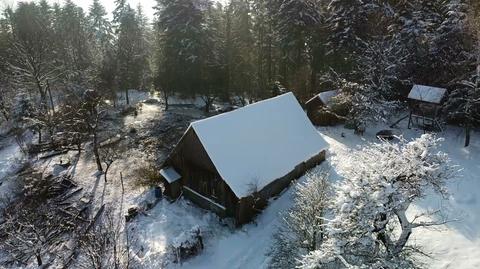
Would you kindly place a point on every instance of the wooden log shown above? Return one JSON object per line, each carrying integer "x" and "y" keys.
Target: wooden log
{"x": 73, "y": 215}
{"x": 53, "y": 154}
{"x": 71, "y": 258}
{"x": 70, "y": 195}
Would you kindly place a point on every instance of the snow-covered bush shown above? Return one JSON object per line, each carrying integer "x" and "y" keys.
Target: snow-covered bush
{"x": 365, "y": 101}
{"x": 302, "y": 228}
{"x": 187, "y": 244}
{"x": 369, "y": 227}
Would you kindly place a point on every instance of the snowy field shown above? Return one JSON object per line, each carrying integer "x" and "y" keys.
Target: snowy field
{"x": 454, "y": 245}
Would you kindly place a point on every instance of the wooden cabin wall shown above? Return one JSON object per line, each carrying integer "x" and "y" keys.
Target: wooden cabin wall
{"x": 246, "y": 208}
{"x": 313, "y": 106}
{"x": 199, "y": 173}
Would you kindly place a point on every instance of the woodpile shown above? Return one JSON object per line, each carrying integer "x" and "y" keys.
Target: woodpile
{"x": 49, "y": 210}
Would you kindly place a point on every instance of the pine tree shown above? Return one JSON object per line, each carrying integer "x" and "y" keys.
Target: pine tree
{"x": 143, "y": 48}
{"x": 295, "y": 22}
{"x": 120, "y": 8}
{"x": 183, "y": 40}
{"x": 99, "y": 26}
{"x": 213, "y": 49}
{"x": 347, "y": 22}
{"x": 131, "y": 55}
{"x": 104, "y": 61}
{"x": 464, "y": 101}
{"x": 71, "y": 30}
{"x": 240, "y": 48}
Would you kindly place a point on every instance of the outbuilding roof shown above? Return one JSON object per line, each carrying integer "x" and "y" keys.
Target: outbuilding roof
{"x": 257, "y": 144}
{"x": 325, "y": 97}
{"x": 170, "y": 174}
{"x": 427, "y": 94}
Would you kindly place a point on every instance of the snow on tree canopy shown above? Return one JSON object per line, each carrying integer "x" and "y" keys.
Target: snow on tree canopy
{"x": 427, "y": 94}
{"x": 257, "y": 144}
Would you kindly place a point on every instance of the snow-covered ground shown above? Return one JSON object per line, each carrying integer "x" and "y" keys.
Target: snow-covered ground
{"x": 11, "y": 159}
{"x": 9, "y": 156}
{"x": 454, "y": 245}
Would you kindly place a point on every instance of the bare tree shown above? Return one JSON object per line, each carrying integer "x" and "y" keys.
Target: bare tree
{"x": 108, "y": 155}
{"x": 301, "y": 229}
{"x": 92, "y": 121}
{"x": 107, "y": 245}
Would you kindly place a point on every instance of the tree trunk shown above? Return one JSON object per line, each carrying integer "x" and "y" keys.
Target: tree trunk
{"x": 208, "y": 103}
{"x": 165, "y": 98}
{"x": 467, "y": 135}
{"x": 43, "y": 96}
{"x": 51, "y": 98}
{"x": 39, "y": 259}
{"x": 405, "y": 233}
{"x": 39, "y": 135}
{"x": 269, "y": 56}
{"x": 126, "y": 97}
{"x": 313, "y": 81}
{"x": 207, "y": 107}
{"x": 228, "y": 48}
{"x": 5, "y": 114}
{"x": 95, "y": 152}
{"x": 106, "y": 172}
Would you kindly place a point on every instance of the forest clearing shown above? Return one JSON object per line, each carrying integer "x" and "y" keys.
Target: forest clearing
{"x": 240, "y": 134}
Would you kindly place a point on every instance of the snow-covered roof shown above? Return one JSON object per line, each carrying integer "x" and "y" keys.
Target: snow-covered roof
{"x": 259, "y": 143}
{"x": 325, "y": 97}
{"x": 427, "y": 94}
{"x": 170, "y": 174}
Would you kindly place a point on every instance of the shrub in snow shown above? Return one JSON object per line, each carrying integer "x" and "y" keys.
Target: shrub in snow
{"x": 302, "y": 228}
{"x": 365, "y": 101}
{"x": 369, "y": 227}
{"x": 187, "y": 244}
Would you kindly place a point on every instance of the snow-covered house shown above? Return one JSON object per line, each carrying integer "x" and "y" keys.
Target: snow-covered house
{"x": 425, "y": 106}
{"x": 315, "y": 108}
{"x": 233, "y": 162}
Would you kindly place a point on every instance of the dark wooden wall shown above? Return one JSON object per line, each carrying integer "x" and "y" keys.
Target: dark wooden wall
{"x": 198, "y": 172}
{"x": 247, "y": 208}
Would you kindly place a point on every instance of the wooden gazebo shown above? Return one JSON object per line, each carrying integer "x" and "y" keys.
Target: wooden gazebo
{"x": 425, "y": 106}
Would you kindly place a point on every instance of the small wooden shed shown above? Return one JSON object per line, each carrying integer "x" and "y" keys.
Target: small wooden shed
{"x": 171, "y": 181}
{"x": 316, "y": 109}
{"x": 425, "y": 106}
{"x": 234, "y": 162}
